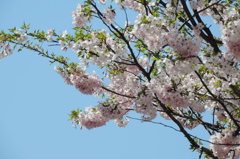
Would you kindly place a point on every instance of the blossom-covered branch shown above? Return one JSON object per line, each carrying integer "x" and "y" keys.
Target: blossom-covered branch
{"x": 165, "y": 60}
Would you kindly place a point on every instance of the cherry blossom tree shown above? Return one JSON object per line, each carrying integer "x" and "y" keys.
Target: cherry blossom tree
{"x": 161, "y": 60}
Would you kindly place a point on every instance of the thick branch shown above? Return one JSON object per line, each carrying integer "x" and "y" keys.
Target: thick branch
{"x": 188, "y": 136}
{"x": 219, "y": 101}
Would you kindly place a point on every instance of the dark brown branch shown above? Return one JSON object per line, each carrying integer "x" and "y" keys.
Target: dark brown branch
{"x": 220, "y": 102}
{"x": 208, "y": 38}
{"x": 123, "y": 95}
{"x": 179, "y": 131}
{"x": 121, "y": 35}
{"x": 188, "y": 136}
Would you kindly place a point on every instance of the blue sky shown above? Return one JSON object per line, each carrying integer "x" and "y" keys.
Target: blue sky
{"x": 35, "y": 102}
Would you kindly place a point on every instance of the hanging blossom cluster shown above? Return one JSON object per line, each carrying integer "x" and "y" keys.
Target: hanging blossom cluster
{"x": 91, "y": 118}
{"x": 85, "y": 83}
{"x": 112, "y": 110}
{"x": 5, "y": 49}
{"x": 144, "y": 105}
{"x": 166, "y": 63}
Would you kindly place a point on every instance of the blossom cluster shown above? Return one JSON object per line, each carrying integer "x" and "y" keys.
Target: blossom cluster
{"x": 6, "y": 50}
{"x": 92, "y": 118}
{"x": 230, "y": 37}
{"x": 85, "y": 83}
{"x": 225, "y": 144}
{"x": 111, "y": 110}
{"x": 109, "y": 15}
{"x": 79, "y": 17}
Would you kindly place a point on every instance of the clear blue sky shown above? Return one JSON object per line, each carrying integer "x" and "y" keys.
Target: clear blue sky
{"x": 35, "y": 102}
